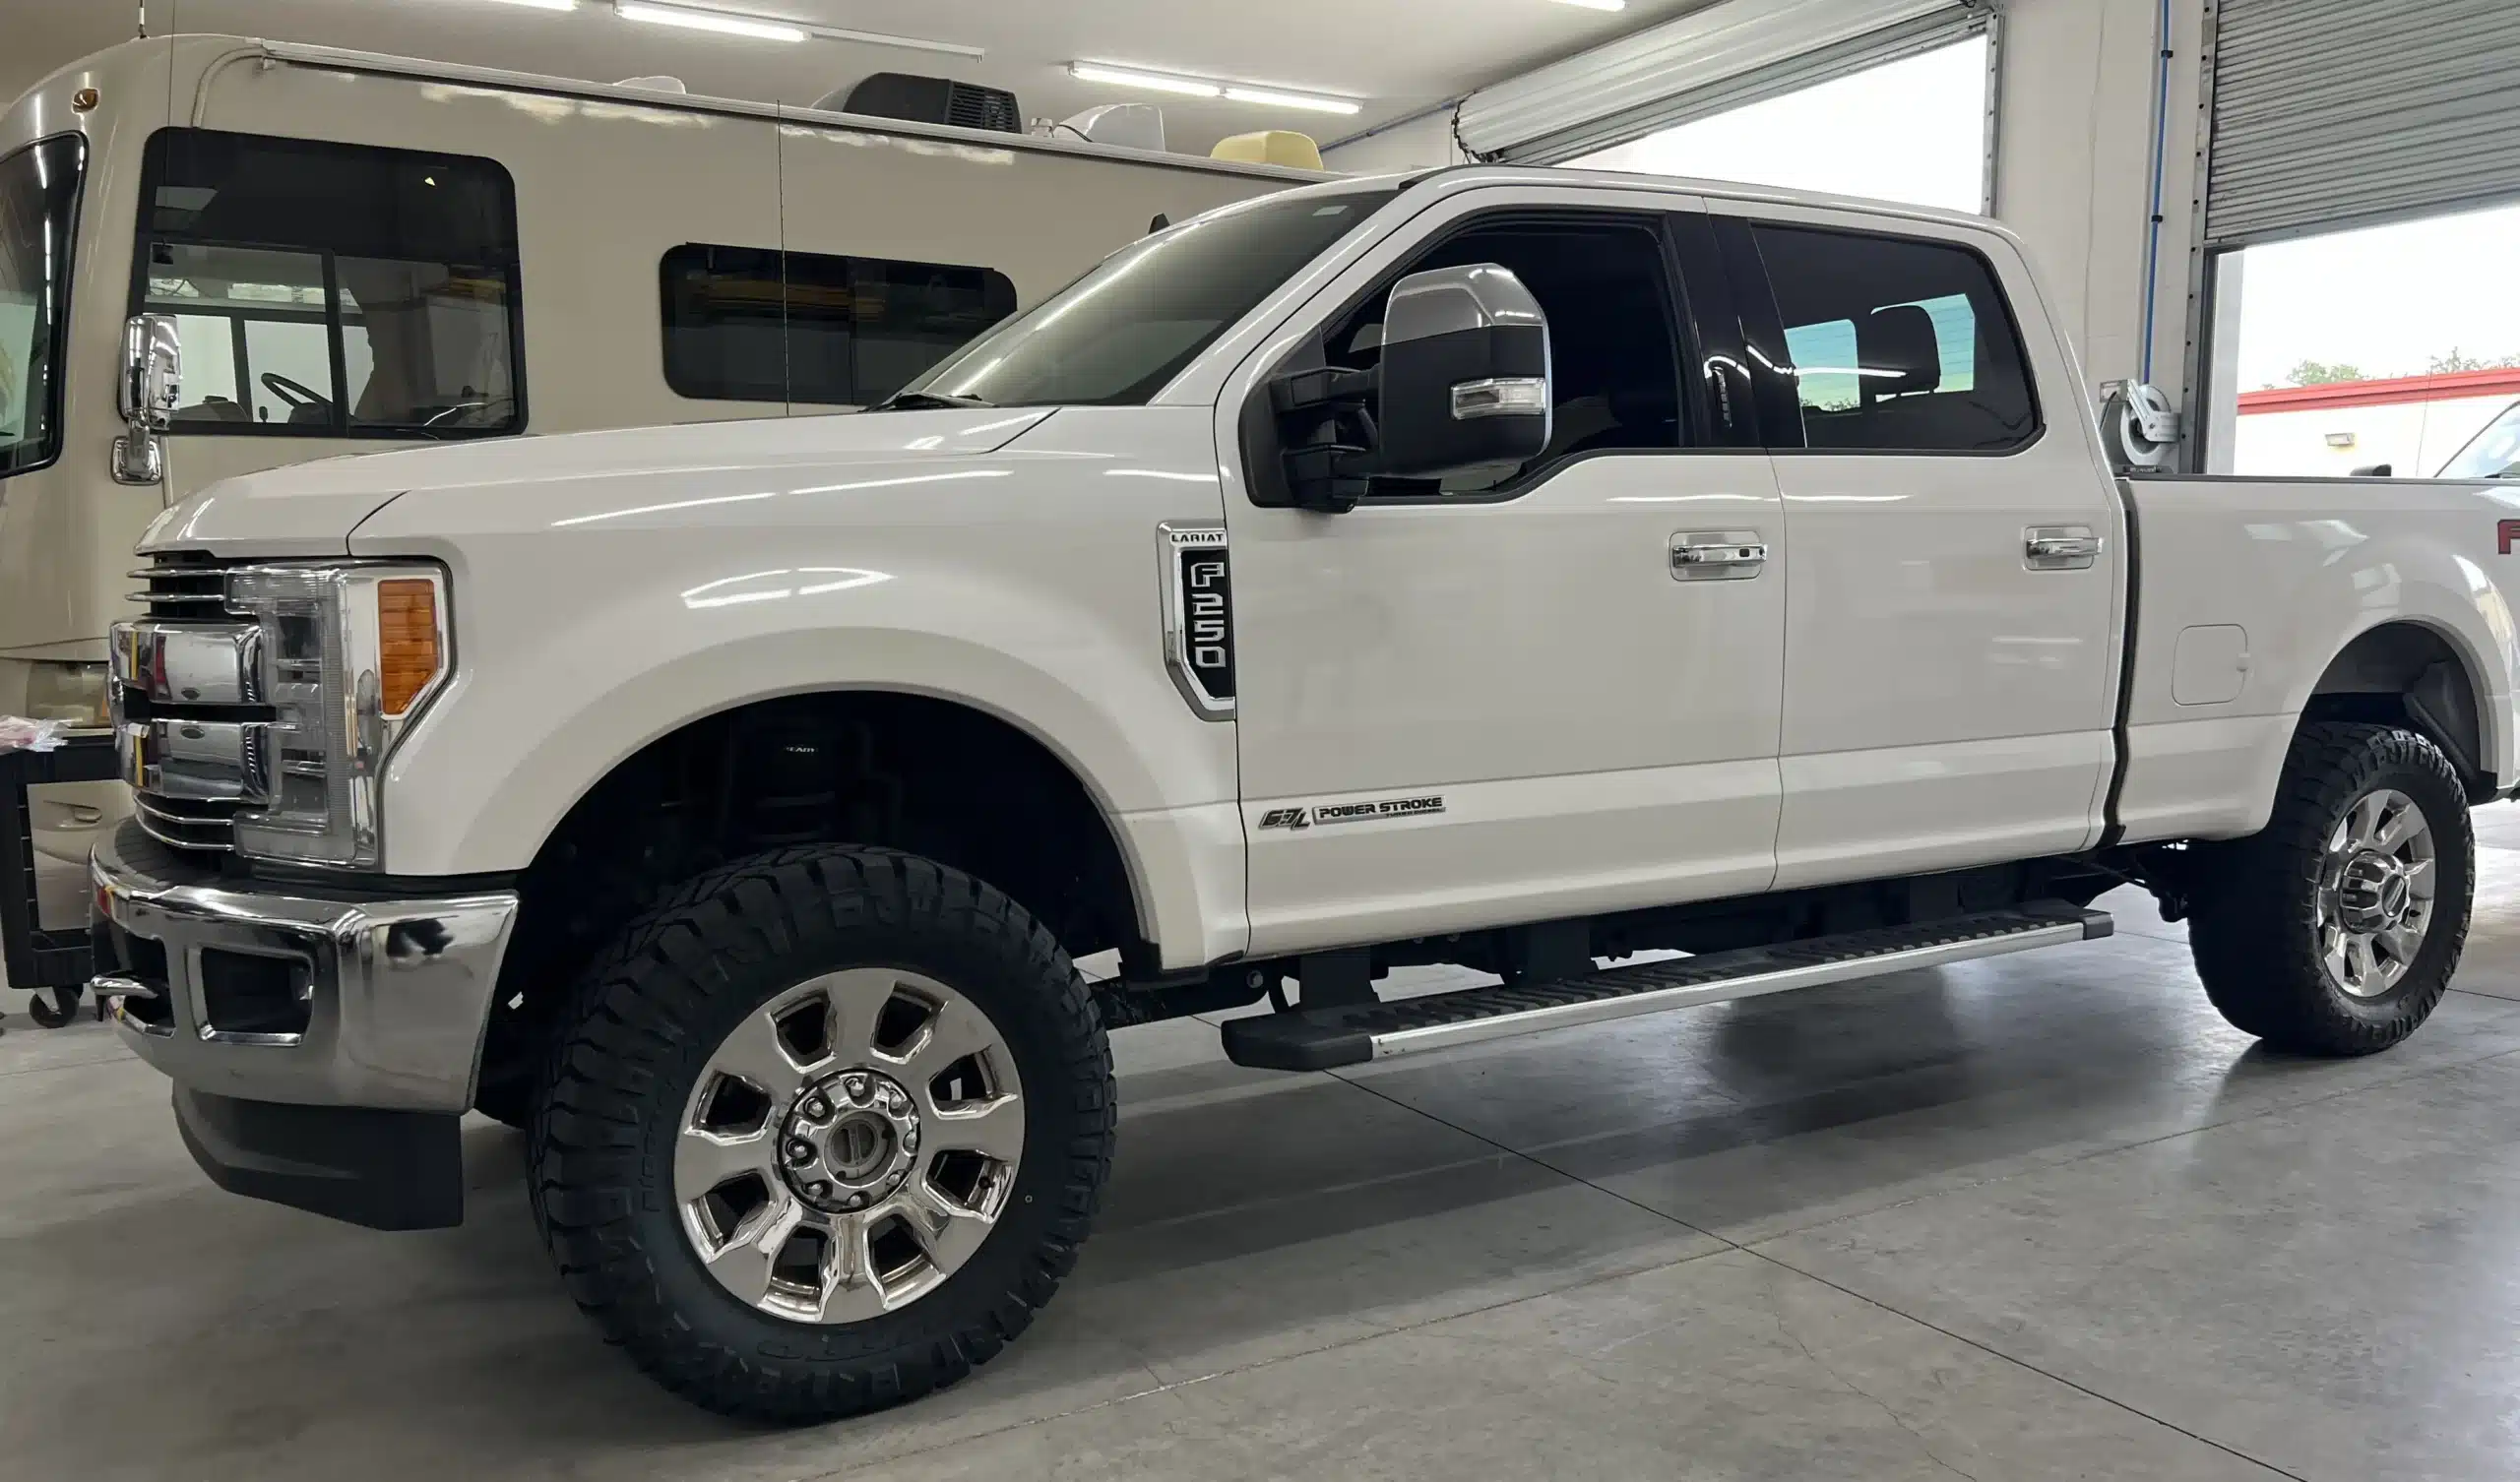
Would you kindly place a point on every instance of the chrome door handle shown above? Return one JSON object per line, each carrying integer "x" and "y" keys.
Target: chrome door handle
{"x": 2060, "y": 547}
{"x": 1717, "y": 555}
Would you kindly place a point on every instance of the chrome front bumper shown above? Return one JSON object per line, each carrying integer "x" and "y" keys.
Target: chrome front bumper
{"x": 394, "y": 993}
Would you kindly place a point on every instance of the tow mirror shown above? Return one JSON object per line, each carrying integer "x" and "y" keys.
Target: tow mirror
{"x": 1462, "y": 382}
{"x": 1465, "y": 374}
{"x": 151, "y": 383}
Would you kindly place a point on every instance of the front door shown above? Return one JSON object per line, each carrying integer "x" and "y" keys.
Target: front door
{"x": 1949, "y": 654}
{"x": 1505, "y": 702}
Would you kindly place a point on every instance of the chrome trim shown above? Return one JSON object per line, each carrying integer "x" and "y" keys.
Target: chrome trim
{"x": 1717, "y": 555}
{"x": 194, "y": 761}
{"x": 146, "y": 393}
{"x": 169, "y": 827}
{"x": 1500, "y": 397}
{"x": 105, "y": 985}
{"x": 1598, "y": 1010}
{"x": 2060, "y": 547}
{"x": 189, "y": 664}
{"x": 402, "y": 989}
{"x": 1185, "y": 617}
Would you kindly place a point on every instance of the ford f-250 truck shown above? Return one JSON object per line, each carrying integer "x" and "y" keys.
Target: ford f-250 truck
{"x": 1521, "y": 568}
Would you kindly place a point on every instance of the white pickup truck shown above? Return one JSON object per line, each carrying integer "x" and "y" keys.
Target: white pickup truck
{"x": 1523, "y": 569}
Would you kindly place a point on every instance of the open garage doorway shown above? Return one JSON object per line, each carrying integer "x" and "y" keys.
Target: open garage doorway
{"x": 2384, "y": 351}
{"x": 1914, "y": 131}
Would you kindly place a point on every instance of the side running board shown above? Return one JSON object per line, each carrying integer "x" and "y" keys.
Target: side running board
{"x": 1319, "y": 1039}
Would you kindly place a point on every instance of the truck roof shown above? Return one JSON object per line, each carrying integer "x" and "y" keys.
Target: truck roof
{"x": 1466, "y": 176}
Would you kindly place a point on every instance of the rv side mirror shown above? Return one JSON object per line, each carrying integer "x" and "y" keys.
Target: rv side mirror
{"x": 1463, "y": 379}
{"x": 151, "y": 383}
{"x": 2375, "y": 470}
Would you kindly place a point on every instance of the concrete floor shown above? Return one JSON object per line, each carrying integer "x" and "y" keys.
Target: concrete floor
{"x": 2042, "y": 1216}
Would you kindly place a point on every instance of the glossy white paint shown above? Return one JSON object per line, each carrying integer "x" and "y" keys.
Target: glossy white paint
{"x": 2304, "y": 566}
{"x": 650, "y": 577}
{"x": 1945, "y": 703}
{"x": 1603, "y": 736}
{"x": 1599, "y": 731}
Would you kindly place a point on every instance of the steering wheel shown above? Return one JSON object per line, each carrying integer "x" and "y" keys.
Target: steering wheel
{"x": 291, "y": 392}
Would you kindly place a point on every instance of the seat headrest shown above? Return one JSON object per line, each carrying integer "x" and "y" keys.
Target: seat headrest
{"x": 1898, "y": 350}
{"x": 1269, "y": 146}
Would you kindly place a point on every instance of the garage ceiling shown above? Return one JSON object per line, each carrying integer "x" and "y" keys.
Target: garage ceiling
{"x": 1396, "y": 56}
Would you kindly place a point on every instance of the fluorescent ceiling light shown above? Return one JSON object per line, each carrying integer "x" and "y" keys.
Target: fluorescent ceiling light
{"x": 540, "y": 4}
{"x": 1199, "y": 87}
{"x": 1597, "y": 4}
{"x": 881, "y": 38}
{"x": 1095, "y": 72}
{"x": 719, "y": 22}
{"x": 1292, "y": 101}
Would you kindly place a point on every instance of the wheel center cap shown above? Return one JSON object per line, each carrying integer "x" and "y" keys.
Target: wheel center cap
{"x": 2374, "y": 893}
{"x": 849, "y": 1140}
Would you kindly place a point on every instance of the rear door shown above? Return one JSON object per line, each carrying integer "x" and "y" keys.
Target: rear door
{"x": 1949, "y": 655}
{"x": 1499, "y": 703}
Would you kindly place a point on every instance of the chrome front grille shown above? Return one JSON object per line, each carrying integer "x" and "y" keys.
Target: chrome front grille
{"x": 183, "y": 585}
{"x": 189, "y": 727}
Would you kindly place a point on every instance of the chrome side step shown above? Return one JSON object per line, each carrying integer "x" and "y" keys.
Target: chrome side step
{"x": 1319, "y": 1039}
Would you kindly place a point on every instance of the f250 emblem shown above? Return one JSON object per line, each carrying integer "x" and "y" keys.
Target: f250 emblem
{"x": 1198, "y": 616}
{"x": 2505, "y": 533}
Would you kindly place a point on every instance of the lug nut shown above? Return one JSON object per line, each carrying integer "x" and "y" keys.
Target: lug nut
{"x": 853, "y": 1201}
{"x": 800, "y": 1152}
{"x": 817, "y": 1108}
{"x": 854, "y": 1086}
{"x": 818, "y": 1190}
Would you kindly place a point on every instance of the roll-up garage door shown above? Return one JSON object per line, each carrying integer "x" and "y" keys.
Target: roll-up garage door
{"x": 2332, "y": 113}
{"x": 1722, "y": 57}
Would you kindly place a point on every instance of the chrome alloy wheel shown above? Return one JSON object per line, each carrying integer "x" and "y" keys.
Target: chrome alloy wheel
{"x": 848, "y": 1146}
{"x": 2376, "y": 882}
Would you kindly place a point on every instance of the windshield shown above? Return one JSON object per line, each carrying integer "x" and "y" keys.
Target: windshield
{"x": 1115, "y": 335}
{"x": 39, "y": 193}
{"x": 2491, "y": 454}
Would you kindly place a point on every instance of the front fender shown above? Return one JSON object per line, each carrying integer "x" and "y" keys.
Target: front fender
{"x": 1030, "y": 595}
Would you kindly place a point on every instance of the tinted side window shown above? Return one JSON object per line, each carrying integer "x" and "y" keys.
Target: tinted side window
{"x": 1613, "y": 351}
{"x": 1897, "y": 345}
{"x": 746, "y": 324}
{"x": 333, "y": 290}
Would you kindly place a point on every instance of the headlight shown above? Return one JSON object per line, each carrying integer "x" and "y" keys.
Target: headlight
{"x": 349, "y": 657}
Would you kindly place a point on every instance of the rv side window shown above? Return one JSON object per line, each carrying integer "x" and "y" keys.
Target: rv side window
{"x": 752, "y": 324}
{"x": 333, "y": 290}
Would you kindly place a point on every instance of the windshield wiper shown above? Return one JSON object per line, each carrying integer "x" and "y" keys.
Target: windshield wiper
{"x": 925, "y": 401}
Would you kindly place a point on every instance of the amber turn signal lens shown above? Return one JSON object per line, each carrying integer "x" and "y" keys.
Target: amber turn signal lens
{"x": 406, "y": 634}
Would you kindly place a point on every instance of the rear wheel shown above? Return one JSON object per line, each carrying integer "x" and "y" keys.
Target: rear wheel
{"x": 824, "y": 1131}
{"x": 2336, "y": 929}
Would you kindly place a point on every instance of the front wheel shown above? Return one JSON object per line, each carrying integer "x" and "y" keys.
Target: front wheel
{"x": 824, "y": 1131}
{"x": 2334, "y": 929}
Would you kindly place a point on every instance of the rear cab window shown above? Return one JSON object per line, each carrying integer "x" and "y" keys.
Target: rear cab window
{"x": 333, "y": 290}
{"x": 1896, "y": 345}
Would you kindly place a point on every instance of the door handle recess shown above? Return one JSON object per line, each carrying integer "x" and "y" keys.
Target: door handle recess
{"x": 1717, "y": 555}
{"x": 2060, "y": 547}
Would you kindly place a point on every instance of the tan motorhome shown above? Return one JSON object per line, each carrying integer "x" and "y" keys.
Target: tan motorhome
{"x": 355, "y": 252}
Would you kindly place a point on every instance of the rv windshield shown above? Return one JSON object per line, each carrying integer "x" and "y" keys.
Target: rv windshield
{"x": 1115, "y": 335}
{"x": 39, "y": 195}
{"x": 2493, "y": 452}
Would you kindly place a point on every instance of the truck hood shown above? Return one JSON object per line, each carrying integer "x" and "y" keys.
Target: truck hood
{"x": 310, "y": 509}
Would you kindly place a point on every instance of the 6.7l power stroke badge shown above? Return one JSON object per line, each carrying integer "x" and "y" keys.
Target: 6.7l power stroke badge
{"x": 1351, "y": 813}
